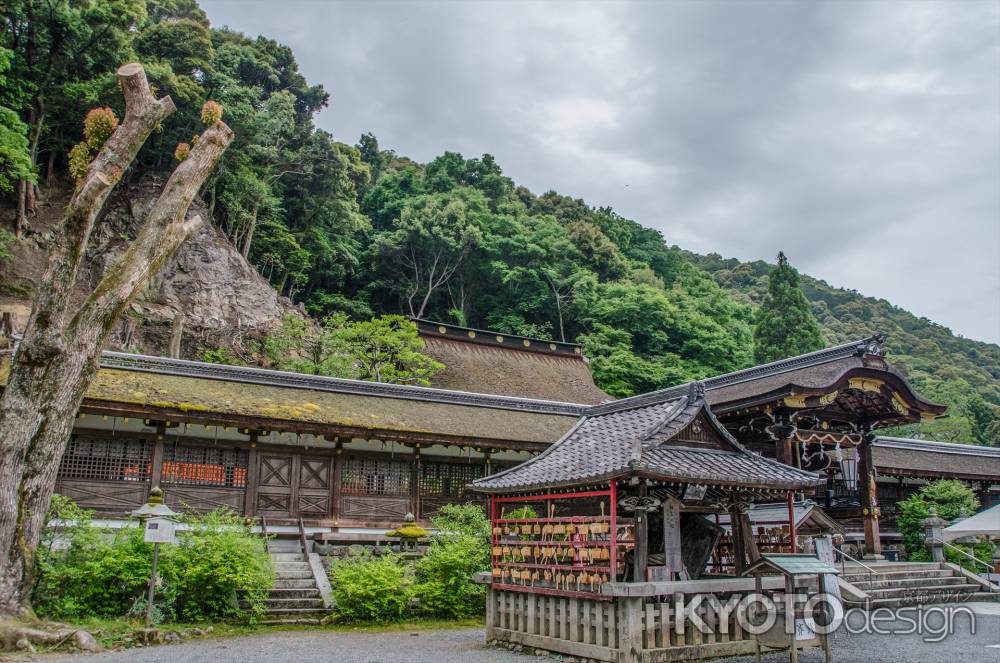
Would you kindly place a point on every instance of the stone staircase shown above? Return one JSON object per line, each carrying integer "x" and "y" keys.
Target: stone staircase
{"x": 297, "y": 597}
{"x": 910, "y": 583}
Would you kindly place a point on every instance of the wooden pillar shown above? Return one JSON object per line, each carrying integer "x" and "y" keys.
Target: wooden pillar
{"x": 869, "y": 496}
{"x": 156, "y": 465}
{"x": 640, "y": 561}
{"x": 629, "y": 618}
{"x": 736, "y": 532}
{"x": 749, "y": 542}
{"x": 783, "y": 433}
{"x": 672, "y": 539}
{"x": 335, "y": 487}
{"x": 253, "y": 473}
{"x": 791, "y": 522}
{"x": 415, "y": 483}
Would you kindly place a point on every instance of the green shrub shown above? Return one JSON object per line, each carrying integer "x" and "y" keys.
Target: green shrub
{"x": 215, "y": 565}
{"x": 949, "y": 499}
{"x": 444, "y": 576}
{"x": 368, "y": 588}
{"x": 464, "y": 519}
{"x": 85, "y": 571}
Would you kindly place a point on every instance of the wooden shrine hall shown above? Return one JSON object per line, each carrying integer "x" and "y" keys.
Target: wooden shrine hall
{"x": 598, "y": 541}
{"x": 345, "y": 453}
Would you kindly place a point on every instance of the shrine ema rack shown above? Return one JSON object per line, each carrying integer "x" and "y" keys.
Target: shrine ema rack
{"x": 566, "y": 555}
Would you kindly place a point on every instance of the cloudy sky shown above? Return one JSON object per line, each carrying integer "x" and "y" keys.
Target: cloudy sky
{"x": 862, "y": 138}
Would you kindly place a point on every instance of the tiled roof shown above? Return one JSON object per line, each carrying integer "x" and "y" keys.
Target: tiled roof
{"x": 814, "y": 370}
{"x": 636, "y": 441}
{"x": 929, "y": 459}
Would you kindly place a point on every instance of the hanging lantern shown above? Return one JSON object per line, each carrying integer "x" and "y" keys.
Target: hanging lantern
{"x": 849, "y": 470}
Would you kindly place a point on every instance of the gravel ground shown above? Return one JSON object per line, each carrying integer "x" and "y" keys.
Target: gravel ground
{"x": 466, "y": 646}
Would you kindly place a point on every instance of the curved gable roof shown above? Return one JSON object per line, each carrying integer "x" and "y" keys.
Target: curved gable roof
{"x": 647, "y": 441}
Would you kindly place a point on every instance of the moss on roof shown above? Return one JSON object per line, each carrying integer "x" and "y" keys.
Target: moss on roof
{"x": 190, "y": 394}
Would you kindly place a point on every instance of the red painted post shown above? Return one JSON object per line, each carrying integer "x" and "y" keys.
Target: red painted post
{"x": 614, "y": 531}
{"x": 791, "y": 521}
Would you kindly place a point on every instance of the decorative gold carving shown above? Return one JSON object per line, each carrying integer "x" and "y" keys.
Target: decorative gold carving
{"x": 826, "y": 399}
{"x": 552, "y": 346}
{"x": 472, "y": 334}
{"x": 499, "y": 339}
{"x": 899, "y": 404}
{"x": 442, "y": 330}
{"x": 526, "y": 342}
{"x": 865, "y": 384}
{"x": 927, "y": 417}
{"x": 795, "y": 401}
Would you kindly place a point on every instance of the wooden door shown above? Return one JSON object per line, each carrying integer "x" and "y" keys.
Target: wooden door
{"x": 293, "y": 486}
{"x": 313, "y": 494}
{"x": 275, "y": 485}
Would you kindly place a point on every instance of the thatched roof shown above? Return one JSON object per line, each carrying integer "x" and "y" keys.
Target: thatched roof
{"x": 281, "y": 400}
{"x": 905, "y": 457}
{"x": 483, "y": 361}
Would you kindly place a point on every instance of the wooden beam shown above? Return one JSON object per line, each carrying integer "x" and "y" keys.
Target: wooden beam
{"x": 282, "y": 425}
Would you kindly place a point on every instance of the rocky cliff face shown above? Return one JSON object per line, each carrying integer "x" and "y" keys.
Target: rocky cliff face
{"x": 221, "y": 299}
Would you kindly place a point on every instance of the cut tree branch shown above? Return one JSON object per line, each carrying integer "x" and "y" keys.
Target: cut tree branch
{"x": 143, "y": 113}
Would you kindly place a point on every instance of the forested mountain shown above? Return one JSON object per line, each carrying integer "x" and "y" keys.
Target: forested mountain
{"x": 360, "y": 230}
{"x": 960, "y": 372}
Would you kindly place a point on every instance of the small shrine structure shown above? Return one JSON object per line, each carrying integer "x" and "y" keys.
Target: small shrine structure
{"x": 601, "y": 540}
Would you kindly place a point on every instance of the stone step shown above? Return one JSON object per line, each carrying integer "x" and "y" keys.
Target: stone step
{"x": 927, "y": 600}
{"x": 293, "y": 613}
{"x": 909, "y": 582}
{"x": 274, "y": 604}
{"x": 957, "y": 592}
{"x": 295, "y": 583}
{"x": 886, "y": 567}
{"x": 284, "y": 546}
{"x": 296, "y": 593}
{"x": 286, "y": 621}
{"x": 287, "y": 557}
{"x": 855, "y": 578}
{"x": 290, "y": 567}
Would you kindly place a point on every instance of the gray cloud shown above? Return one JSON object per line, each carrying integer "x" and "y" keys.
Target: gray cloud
{"x": 863, "y": 139}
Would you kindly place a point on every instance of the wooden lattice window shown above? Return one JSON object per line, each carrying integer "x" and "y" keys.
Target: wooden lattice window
{"x": 448, "y": 479}
{"x": 375, "y": 476}
{"x": 204, "y": 466}
{"x": 105, "y": 459}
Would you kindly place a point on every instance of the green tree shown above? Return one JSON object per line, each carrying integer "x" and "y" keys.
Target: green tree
{"x": 985, "y": 420}
{"x": 15, "y": 161}
{"x": 785, "y": 326}
{"x": 428, "y": 243}
{"x": 950, "y": 499}
{"x": 385, "y": 349}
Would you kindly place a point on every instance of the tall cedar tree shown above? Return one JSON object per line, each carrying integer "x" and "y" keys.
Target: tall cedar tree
{"x": 785, "y": 326}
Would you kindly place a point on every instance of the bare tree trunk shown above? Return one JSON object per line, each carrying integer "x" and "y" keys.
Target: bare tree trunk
{"x": 249, "y": 236}
{"x": 22, "y": 216}
{"x": 176, "y": 335}
{"x": 59, "y": 355}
